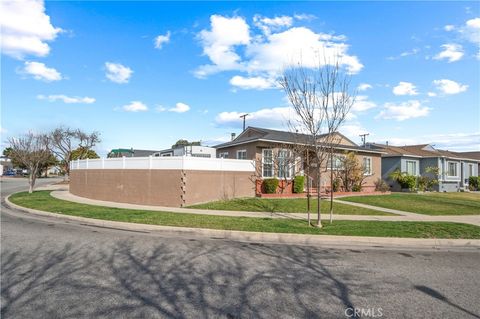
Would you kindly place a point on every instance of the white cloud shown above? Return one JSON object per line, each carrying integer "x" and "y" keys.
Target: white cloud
{"x": 160, "y": 40}
{"x": 362, "y": 104}
{"x": 67, "y": 99}
{"x": 452, "y": 52}
{"x": 471, "y": 30}
{"x": 117, "y": 72}
{"x": 432, "y": 94}
{"x": 267, "y": 25}
{"x": 450, "y": 87}
{"x": 275, "y": 118}
{"x": 405, "y": 88}
{"x": 403, "y": 111}
{"x": 26, "y": 28}
{"x": 218, "y": 43}
{"x": 364, "y": 87}
{"x": 40, "y": 71}
{"x": 304, "y": 16}
{"x": 180, "y": 108}
{"x": 231, "y": 45}
{"x": 449, "y": 27}
{"x": 257, "y": 83}
{"x": 135, "y": 106}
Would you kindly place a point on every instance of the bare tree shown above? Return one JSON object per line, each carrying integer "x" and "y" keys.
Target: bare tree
{"x": 321, "y": 101}
{"x": 64, "y": 141}
{"x": 32, "y": 151}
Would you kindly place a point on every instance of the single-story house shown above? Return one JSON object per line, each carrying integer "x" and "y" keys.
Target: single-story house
{"x": 474, "y": 155}
{"x": 188, "y": 150}
{"x": 454, "y": 168}
{"x": 266, "y": 146}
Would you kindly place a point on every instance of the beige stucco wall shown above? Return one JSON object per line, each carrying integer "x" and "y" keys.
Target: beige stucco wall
{"x": 174, "y": 188}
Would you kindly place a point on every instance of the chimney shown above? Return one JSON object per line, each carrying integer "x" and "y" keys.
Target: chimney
{"x": 233, "y": 136}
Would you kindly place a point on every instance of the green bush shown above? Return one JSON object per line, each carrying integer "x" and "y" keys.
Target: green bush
{"x": 381, "y": 186}
{"x": 298, "y": 184}
{"x": 357, "y": 188}
{"x": 405, "y": 180}
{"x": 473, "y": 182}
{"x": 270, "y": 185}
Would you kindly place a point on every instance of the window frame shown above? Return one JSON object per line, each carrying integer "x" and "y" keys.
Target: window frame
{"x": 242, "y": 151}
{"x": 270, "y": 163}
{"x": 223, "y": 155}
{"x": 287, "y": 168}
{"x": 456, "y": 169}
{"x": 415, "y": 166}
{"x": 370, "y": 171}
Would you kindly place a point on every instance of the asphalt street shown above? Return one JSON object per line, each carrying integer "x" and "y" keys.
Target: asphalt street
{"x": 63, "y": 269}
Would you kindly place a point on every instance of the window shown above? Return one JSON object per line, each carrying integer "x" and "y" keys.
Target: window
{"x": 242, "y": 154}
{"x": 267, "y": 163}
{"x": 412, "y": 168}
{"x": 337, "y": 162}
{"x": 452, "y": 169}
{"x": 470, "y": 169}
{"x": 367, "y": 166}
{"x": 223, "y": 155}
{"x": 285, "y": 165}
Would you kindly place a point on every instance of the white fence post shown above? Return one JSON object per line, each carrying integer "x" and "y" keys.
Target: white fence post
{"x": 150, "y": 161}
{"x": 86, "y": 163}
{"x": 103, "y": 163}
{"x": 78, "y": 163}
{"x": 123, "y": 162}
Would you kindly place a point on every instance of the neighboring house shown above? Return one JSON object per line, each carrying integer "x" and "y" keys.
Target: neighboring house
{"x": 130, "y": 152}
{"x": 474, "y": 155}
{"x": 188, "y": 150}
{"x": 454, "y": 168}
{"x": 261, "y": 144}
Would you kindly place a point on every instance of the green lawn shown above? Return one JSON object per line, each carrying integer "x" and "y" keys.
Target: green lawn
{"x": 427, "y": 203}
{"x": 43, "y": 201}
{"x": 285, "y": 205}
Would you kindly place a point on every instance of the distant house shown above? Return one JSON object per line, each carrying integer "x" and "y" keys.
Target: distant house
{"x": 129, "y": 152}
{"x": 474, "y": 155}
{"x": 454, "y": 168}
{"x": 188, "y": 150}
{"x": 261, "y": 144}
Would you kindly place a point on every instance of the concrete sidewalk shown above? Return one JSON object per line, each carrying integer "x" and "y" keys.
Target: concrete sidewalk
{"x": 473, "y": 220}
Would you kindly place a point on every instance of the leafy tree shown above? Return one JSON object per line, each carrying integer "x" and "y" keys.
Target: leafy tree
{"x": 81, "y": 153}
{"x": 182, "y": 142}
{"x": 351, "y": 174}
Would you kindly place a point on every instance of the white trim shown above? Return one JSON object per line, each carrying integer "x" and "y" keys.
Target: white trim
{"x": 456, "y": 169}
{"x": 263, "y": 163}
{"x": 167, "y": 163}
{"x": 416, "y": 167}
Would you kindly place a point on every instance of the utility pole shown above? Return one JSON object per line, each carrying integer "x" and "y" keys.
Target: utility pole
{"x": 364, "y": 138}
{"x": 244, "y": 116}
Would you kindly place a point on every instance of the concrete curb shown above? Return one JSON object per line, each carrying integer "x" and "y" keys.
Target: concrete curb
{"x": 276, "y": 238}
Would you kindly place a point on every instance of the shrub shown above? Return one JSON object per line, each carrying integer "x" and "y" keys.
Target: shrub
{"x": 357, "y": 188}
{"x": 270, "y": 185}
{"x": 473, "y": 182}
{"x": 405, "y": 180}
{"x": 381, "y": 186}
{"x": 298, "y": 184}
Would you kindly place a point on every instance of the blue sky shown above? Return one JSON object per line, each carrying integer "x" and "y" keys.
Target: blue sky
{"x": 149, "y": 73}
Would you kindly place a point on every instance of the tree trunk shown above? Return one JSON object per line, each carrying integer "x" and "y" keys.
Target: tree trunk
{"x": 31, "y": 180}
{"x": 309, "y": 185}
{"x": 331, "y": 187}
{"x": 319, "y": 216}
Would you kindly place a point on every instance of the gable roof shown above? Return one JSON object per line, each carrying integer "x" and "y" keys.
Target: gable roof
{"x": 254, "y": 134}
{"x": 420, "y": 150}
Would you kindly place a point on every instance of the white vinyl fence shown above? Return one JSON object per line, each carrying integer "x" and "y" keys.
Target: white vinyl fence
{"x": 171, "y": 162}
